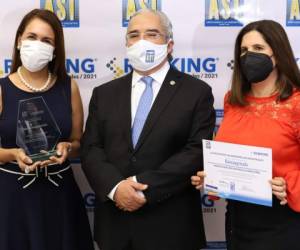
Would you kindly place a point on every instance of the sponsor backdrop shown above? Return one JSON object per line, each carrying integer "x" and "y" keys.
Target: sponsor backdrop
{"x": 204, "y": 34}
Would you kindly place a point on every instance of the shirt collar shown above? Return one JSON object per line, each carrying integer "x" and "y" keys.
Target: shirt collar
{"x": 158, "y": 76}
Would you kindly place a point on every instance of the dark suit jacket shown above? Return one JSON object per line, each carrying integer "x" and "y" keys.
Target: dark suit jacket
{"x": 168, "y": 153}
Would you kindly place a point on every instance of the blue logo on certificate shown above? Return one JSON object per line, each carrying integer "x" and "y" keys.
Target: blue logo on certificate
{"x": 131, "y": 6}
{"x": 293, "y": 13}
{"x": 223, "y": 12}
{"x": 66, "y": 10}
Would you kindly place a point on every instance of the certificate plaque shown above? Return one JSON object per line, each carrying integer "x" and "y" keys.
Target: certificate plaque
{"x": 238, "y": 172}
{"x": 37, "y": 130}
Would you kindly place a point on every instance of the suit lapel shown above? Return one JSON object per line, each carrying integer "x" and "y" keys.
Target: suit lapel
{"x": 165, "y": 94}
{"x": 124, "y": 92}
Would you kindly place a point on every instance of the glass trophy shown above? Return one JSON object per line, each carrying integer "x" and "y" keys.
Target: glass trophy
{"x": 37, "y": 130}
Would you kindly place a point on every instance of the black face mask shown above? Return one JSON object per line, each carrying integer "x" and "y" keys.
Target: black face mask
{"x": 256, "y": 67}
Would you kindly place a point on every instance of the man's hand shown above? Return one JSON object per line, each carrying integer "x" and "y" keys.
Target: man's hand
{"x": 126, "y": 196}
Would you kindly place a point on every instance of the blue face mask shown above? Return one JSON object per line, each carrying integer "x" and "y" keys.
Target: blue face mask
{"x": 256, "y": 67}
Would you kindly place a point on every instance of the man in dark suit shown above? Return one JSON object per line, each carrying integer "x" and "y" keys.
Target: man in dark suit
{"x": 143, "y": 141}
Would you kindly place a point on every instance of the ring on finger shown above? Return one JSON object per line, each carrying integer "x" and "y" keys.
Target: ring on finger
{"x": 27, "y": 170}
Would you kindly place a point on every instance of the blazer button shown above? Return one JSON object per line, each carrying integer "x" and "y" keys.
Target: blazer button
{"x": 133, "y": 159}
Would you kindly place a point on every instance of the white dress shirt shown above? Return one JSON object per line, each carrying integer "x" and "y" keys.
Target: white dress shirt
{"x": 137, "y": 89}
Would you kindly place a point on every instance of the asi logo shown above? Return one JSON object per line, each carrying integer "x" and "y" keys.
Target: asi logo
{"x": 223, "y": 12}
{"x": 131, "y": 6}
{"x": 293, "y": 13}
{"x": 66, "y": 10}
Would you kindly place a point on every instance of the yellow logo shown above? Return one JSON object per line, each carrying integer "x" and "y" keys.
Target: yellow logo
{"x": 223, "y": 12}
{"x": 131, "y": 6}
{"x": 293, "y": 13}
{"x": 66, "y": 10}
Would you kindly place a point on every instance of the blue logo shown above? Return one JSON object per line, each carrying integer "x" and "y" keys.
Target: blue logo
{"x": 232, "y": 186}
{"x": 223, "y": 12}
{"x": 208, "y": 205}
{"x": 195, "y": 65}
{"x": 5, "y": 69}
{"x": 66, "y": 10}
{"x": 77, "y": 65}
{"x": 131, "y": 6}
{"x": 89, "y": 201}
{"x": 81, "y": 68}
{"x": 206, "y": 202}
{"x": 293, "y": 13}
{"x": 150, "y": 54}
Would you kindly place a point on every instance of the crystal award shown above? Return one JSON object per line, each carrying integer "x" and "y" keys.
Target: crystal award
{"x": 37, "y": 130}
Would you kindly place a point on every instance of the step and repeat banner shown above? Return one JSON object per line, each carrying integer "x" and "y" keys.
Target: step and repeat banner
{"x": 204, "y": 35}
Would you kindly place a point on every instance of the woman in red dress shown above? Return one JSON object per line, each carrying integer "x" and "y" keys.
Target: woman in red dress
{"x": 263, "y": 109}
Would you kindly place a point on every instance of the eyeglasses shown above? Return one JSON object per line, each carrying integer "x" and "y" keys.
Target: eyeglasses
{"x": 147, "y": 35}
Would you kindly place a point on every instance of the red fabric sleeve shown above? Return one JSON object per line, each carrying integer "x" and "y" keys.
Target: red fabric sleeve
{"x": 292, "y": 178}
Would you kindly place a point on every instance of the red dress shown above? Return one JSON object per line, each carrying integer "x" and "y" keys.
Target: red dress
{"x": 267, "y": 123}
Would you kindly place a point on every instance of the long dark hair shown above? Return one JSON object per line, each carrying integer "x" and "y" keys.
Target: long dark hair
{"x": 288, "y": 71}
{"x": 57, "y": 65}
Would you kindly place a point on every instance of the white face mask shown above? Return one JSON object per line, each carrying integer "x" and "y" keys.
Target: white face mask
{"x": 35, "y": 55}
{"x": 145, "y": 55}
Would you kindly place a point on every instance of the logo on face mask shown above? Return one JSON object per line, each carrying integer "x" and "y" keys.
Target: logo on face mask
{"x": 145, "y": 55}
{"x": 150, "y": 55}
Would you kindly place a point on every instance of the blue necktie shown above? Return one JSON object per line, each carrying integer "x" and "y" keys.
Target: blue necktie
{"x": 142, "y": 109}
